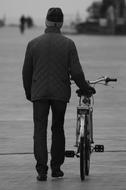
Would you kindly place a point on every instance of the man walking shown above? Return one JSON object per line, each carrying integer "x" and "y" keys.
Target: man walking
{"x": 50, "y": 60}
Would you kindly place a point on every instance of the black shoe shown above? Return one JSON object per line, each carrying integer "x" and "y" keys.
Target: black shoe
{"x": 57, "y": 173}
{"x": 42, "y": 177}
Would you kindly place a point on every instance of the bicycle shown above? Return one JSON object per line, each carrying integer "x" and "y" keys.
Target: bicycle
{"x": 84, "y": 129}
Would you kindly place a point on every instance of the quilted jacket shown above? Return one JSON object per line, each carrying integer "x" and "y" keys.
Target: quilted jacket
{"x": 50, "y": 60}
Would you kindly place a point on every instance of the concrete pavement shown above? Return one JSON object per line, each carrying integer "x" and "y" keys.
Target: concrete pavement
{"x": 17, "y": 164}
{"x": 108, "y": 171}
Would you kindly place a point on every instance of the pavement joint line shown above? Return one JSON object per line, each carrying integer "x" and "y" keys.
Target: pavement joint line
{"x": 28, "y": 153}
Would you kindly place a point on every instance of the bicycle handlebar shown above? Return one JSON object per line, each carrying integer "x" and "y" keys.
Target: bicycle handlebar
{"x": 111, "y": 79}
{"x": 103, "y": 79}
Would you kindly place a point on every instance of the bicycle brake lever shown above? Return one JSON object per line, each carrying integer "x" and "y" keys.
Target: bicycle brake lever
{"x": 111, "y": 86}
{"x": 106, "y": 84}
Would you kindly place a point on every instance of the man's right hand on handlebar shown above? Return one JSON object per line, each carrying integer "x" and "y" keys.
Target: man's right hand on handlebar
{"x": 87, "y": 92}
{"x": 90, "y": 91}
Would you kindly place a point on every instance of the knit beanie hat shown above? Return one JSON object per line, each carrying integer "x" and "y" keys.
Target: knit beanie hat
{"x": 54, "y": 17}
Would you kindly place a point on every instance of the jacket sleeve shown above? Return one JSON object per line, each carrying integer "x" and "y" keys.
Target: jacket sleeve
{"x": 27, "y": 72}
{"x": 76, "y": 71}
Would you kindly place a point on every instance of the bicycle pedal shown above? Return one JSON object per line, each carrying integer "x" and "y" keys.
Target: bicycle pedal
{"x": 69, "y": 153}
{"x": 99, "y": 148}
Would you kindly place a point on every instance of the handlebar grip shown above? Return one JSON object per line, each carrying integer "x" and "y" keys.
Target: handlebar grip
{"x": 111, "y": 80}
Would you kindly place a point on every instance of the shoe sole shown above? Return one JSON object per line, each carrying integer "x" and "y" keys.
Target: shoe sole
{"x": 41, "y": 179}
{"x": 53, "y": 175}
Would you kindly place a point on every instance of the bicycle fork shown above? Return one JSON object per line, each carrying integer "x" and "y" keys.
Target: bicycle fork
{"x": 79, "y": 129}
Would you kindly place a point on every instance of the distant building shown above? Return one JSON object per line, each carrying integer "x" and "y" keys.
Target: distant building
{"x": 119, "y": 6}
{"x": 114, "y": 11}
{"x": 105, "y": 16}
{"x": 116, "y": 8}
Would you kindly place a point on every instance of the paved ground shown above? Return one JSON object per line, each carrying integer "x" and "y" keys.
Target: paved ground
{"x": 108, "y": 169}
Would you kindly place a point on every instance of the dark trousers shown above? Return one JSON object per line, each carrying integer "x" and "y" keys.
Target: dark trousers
{"x": 40, "y": 115}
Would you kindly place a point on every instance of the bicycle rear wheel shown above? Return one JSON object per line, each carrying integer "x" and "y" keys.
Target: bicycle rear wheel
{"x": 82, "y": 159}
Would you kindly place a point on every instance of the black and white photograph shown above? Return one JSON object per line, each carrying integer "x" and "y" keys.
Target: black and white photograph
{"x": 62, "y": 94}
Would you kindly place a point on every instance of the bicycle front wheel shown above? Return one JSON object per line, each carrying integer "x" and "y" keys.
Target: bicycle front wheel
{"x": 87, "y": 156}
{"x": 82, "y": 158}
{"x": 87, "y": 147}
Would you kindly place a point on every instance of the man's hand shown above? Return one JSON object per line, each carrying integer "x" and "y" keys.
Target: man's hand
{"x": 88, "y": 92}
{"x": 92, "y": 90}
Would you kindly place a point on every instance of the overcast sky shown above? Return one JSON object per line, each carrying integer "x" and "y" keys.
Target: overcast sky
{"x": 38, "y": 8}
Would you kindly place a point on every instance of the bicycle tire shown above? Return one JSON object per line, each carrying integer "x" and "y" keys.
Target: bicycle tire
{"x": 82, "y": 159}
{"x": 87, "y": 149}
{"x": 87, "y": 158}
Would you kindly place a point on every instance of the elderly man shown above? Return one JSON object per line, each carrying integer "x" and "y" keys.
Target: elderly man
{"x": 50, "y": 61}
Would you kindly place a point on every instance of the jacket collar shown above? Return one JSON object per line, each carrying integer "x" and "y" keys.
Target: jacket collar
{"x": 52, "y": 30}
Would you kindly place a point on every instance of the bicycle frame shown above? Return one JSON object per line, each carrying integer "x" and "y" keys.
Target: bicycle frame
{"x": 84, "y": 112}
